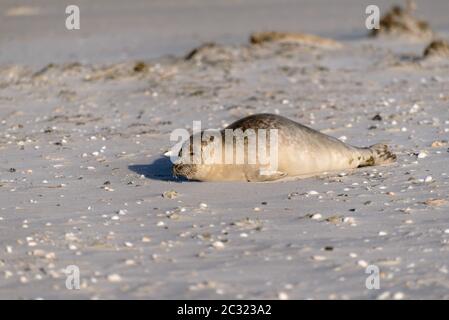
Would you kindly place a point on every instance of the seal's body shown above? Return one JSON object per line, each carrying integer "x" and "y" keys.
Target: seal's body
{"x": 302, "y": 152}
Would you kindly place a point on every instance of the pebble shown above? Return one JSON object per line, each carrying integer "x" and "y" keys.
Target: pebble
{"x": 398, "y": 296}
{"x": 130, "y": 262}
{"x": 316, "y": 216}
{"x": 362, "y": 263}
{"x": 319, "y": 258}
{"x": 218, "y": 245}
{"x": 114, "y": 277}
{"x": 384, "y": 295}
{"x": 349, "y": 220}
{"x": 282, "y": 296}
{"x": 414, "y": 108}
{"x": 422, "y": 155}
{"x": 38, "y": 253}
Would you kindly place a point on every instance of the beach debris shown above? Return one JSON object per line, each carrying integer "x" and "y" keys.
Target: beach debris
{"x": 439, "y": 143}
{"x": 114, "y": 71}
{"x": 293, "y": 38}
{"x": 335, "y": 219}
{"x": 248, "y": 224}
{"x": 171, "y": 194}
{"x": 198, "y": 51}
{"x": 435, "y": 202}
{"x": 174, "y": 215}
{"x": 140, "y": 66}
{"x": 13, "y": 74}
{"x": 212, "y": 54}
{"x": 23, "y": 11}
{"x": 400, "y": 21}
{"x": 437, "y": 48}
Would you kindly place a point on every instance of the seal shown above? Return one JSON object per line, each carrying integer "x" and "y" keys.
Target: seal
{"x": 301, "y": 152}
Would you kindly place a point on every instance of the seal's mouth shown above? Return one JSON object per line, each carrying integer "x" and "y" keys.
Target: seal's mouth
{"x": 184, "y": 170}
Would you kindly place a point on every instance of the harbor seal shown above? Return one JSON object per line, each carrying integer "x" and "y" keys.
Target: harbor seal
{"x": 301, "y": 152}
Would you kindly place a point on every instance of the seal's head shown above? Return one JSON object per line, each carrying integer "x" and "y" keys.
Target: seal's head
{"x": 185, "y": 170}
{"x": 197, "y": 155}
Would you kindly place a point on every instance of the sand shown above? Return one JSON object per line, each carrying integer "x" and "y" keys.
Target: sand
{"x": 83, "y": 179}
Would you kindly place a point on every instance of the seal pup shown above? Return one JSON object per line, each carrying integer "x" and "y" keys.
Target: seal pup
{"x": 301, "y": 152}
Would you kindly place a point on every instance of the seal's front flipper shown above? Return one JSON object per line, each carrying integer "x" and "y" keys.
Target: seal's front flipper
{"x": 262, "y": 176}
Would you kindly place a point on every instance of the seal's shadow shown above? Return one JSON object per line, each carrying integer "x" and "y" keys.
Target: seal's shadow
{"x": 159, "y": 169}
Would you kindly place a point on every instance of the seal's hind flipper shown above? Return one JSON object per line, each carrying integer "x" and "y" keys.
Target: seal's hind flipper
{"x": 377, "y": 154}
{"x": 382, "y": 154}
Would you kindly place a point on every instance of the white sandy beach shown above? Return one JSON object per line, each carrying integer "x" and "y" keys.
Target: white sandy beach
{"x": 85, "y": 117}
